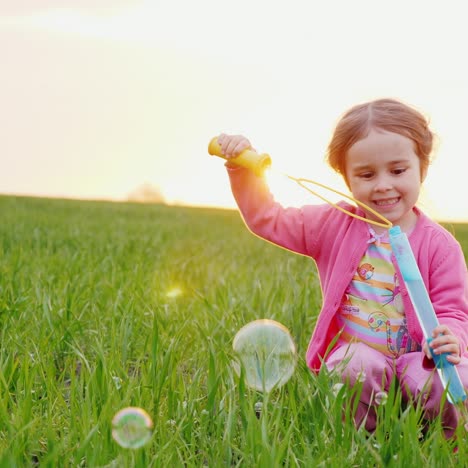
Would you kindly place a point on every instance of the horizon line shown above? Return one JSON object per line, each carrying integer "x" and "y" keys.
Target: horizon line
{"x": 175, "y": 203}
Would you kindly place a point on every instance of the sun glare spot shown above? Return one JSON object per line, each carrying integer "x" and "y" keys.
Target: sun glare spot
{"x": 284, "y": 190}
{"x": 174, "y": 292}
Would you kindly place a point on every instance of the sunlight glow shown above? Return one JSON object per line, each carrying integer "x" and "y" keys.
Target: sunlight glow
{"x": 288, "y": 193}
{"x": 136, "y": 23}
{"x": 284, "y": 190}
{"x": 131, "y": 91}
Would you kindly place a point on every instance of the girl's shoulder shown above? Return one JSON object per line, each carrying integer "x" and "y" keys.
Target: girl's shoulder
{"x": 428, "y": 230}
{"x": 434, "y": 245}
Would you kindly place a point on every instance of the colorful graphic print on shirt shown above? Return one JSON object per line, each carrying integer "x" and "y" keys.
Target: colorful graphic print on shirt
{"x": 372, "y": 309}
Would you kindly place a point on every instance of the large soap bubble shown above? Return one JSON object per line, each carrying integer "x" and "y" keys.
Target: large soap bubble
{"x": 132, "y": 427}
{"x": 267, "y": 354}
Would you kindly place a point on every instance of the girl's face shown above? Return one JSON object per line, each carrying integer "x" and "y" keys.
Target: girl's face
{"x": 383, "y": 171}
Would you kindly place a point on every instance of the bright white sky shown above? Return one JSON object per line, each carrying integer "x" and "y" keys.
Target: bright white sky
{"x": 100, "y": 96}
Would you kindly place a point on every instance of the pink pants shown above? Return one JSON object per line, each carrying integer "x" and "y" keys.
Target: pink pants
{"x": 359, "y": 362}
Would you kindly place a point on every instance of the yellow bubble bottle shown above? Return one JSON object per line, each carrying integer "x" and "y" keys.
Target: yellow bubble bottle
{"x": 247, "y": 158}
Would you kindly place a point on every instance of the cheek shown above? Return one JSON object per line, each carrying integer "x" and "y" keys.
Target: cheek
{"x": 354, "y": 187}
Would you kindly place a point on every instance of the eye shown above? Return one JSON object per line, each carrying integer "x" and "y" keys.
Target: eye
{"x": 366, "y": 175}
{"x": 399, "y": 171}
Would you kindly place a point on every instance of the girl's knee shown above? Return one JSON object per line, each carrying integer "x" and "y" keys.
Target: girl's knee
{"x": 363, "y": 364}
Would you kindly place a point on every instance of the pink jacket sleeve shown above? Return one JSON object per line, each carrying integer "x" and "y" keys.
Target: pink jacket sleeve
{"x": 448, "y": 289}
{"x": 443, "y": 268}
{"x": 265, "y": 217}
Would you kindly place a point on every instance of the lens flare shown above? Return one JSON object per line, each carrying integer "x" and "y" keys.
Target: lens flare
{"x": 174, "y": 292}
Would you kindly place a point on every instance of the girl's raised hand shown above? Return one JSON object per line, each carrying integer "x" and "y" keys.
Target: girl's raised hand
{"x": 232, "y": 145}
{"x": 444, "y": 341}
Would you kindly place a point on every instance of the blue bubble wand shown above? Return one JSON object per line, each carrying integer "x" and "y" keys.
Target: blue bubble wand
{"x": 404, "y": 256}
{"x": 425, "y": 312}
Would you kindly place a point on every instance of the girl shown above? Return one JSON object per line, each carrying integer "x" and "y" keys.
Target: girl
{"x": 367, "y": 329}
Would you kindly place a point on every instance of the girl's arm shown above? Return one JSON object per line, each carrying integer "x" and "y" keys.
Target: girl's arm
{"x": 265, "y": 217}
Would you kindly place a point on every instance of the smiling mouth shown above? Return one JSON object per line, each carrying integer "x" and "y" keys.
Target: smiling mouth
{"x": 387, "y": 201}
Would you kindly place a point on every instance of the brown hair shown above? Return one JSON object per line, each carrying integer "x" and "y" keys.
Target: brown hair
{"x": 385, "y": 114}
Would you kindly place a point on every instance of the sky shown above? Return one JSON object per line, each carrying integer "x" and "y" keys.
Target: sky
{"x": 99, "y": 97}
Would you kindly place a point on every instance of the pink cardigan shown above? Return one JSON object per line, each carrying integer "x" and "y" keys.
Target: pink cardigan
{"x": 337, "y": 243}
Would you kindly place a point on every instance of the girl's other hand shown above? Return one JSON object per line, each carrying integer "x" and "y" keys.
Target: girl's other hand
{"x": 232, "y": 145}
{"x": 444, "y": 341}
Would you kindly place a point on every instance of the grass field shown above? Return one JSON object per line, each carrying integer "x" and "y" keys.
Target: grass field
{"x": 88, "y": 326}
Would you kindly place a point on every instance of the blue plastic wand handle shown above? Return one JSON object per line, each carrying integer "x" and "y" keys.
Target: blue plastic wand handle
{"x": 425, "y": 311}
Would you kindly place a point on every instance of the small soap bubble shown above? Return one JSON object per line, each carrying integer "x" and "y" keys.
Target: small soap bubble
{"x": 132, "y": 427}
{"x": 336, "y": 388}
{"x": 381, "y": 398}
{"x": 361, "y": 377}
{"x": 267, "y": 354}
{"x": 117, "y": 382}
{"x": 258, "y": 408}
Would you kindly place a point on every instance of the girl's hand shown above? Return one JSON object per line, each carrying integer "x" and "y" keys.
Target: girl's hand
{"x": 232, "y": 145}
{"x": 444, "y": 341}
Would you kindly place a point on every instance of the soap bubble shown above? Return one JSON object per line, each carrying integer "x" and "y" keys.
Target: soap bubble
{"x": 266, "y": 353}
{"x": 337, "y": 388}
{"x": 381, "y": 398}
{"x": 131, "y": 427}
{"x": 258, "y": 408}
{"x": 362, "y": 376}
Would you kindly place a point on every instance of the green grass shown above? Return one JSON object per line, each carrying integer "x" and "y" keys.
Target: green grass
{"x": 87, "y": 328}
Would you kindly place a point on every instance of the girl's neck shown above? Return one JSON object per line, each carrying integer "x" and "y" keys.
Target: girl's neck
{"x": 406, "y": 224}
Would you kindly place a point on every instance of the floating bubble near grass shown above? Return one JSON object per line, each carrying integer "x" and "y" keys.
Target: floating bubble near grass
{"x": 132, "y": 427}
{"x": 266, "y": 353}
{"x": 381, "y": 398}
{"x": 337, "y": 388}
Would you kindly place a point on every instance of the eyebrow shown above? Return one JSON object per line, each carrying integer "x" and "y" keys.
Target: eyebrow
{"x": 370, "y": 166}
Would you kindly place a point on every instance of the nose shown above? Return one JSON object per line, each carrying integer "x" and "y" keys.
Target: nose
{"x": 383, "y": 183}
